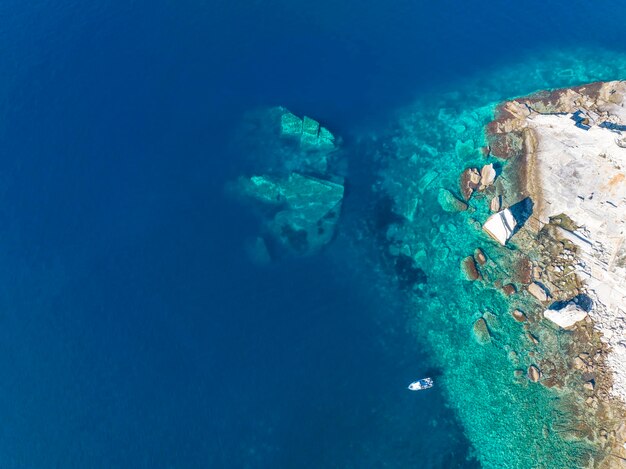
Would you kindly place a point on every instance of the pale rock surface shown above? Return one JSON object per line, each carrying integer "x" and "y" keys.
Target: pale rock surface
{"x": 567, "y": 316}
{"x": 582, "y": 173}
{"x": 500, "y": 226}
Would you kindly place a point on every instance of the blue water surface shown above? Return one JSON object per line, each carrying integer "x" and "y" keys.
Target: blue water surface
{"x": 134, "y": 330}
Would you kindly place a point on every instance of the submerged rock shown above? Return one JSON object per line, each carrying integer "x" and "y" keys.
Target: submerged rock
{"x": 308, "y": 208}
{"x": 307, "y": 131}
{"x": 500, "y": 226}
{"x": 567, "y": 316}
{"x": 468, "y": 266}
{"x": 449, "y": 202}
{"x": 481, "y": 331}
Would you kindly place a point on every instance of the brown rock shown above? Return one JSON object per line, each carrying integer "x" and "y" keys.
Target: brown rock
{"x": 468, "y": 265}
{"x": 470, "y": 181}
{"x": 480, "y": 257}
{"x": 538, "y": 292}
{"x": 509, "y": 289}
{"x": 533, "y": 373}
{"x": 518, "y": 373}
{"x": 518, "y": 315}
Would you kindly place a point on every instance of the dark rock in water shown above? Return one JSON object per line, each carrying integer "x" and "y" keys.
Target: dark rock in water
{"x": 534, "y": 374}
{"x": 308, "y": 208}
{"x": 449, "y": 202}
{"x": 481, "y": 331}
{"x": 480, "y": 257}
{"x": 509, "y": 289}
{"x": 470, "y": 181}
{"x": 408, "y": 273}
{"x": 468, "y": 266}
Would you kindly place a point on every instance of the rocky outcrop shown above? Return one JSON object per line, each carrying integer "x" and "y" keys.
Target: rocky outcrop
{"x": 566, "y": 317}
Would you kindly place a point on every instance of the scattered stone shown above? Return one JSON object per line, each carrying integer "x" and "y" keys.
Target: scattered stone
{"x": 481, "y": 331}
{"x": 480, "y": 257}
{"x": 470, "y": 181}
{"x": 532, "y": 338}
{"x": 449, "y": 202}
{"x": 534, "y": 374}
{"x": 538, "y": 291}
{"x": 589, "y": 385}
{"x": 468, "y": 266}
{"x": 509, "y": 289}
{"x": 495, "y": 203}
{"x": 487, "y": 176}
{"x": 567, "y": 316}
{"x": 500, "y": 226}
{"x": 578, "y": 363}
{"x": 519, "y": 316}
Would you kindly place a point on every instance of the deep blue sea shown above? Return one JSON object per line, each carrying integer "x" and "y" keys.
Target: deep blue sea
{"x": 134, "y": 329}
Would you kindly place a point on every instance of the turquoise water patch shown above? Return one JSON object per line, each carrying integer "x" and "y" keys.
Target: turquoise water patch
{"x": 483, "y": 352}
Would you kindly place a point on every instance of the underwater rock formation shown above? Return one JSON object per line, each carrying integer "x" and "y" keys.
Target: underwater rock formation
{"x": 299, "y": 195}
{"x": 307, "y": 208}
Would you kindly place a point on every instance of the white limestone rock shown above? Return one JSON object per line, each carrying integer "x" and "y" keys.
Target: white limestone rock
{"x": 566, "y": 317}
{"x": 500, "y": 226}
{"x": 487, "y": 176}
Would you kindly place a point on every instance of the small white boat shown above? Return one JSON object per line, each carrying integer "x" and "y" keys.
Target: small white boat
{"x": 421, "y": 384}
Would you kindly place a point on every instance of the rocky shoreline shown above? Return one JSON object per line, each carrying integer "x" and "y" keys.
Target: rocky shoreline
{"x": 565, "y": 154}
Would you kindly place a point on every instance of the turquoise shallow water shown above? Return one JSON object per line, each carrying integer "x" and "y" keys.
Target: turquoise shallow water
{"x": 511, "y": 424}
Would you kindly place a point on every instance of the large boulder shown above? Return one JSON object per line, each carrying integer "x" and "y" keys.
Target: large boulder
{"x": 566, "y": 317}
{"x": 501, "y": 226}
